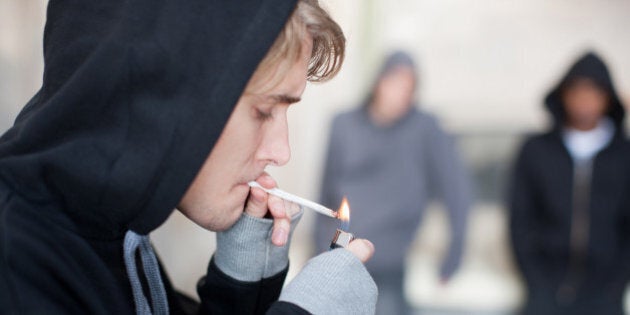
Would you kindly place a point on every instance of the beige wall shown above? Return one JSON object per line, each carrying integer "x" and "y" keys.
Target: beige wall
{"x": 21, "y": 57}
{"x": 485, "y": 66}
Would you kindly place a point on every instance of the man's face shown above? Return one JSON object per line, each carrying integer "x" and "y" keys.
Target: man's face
{"x": 256, "y": 135}
{"x": 393, "y": 93}
{"x": 585, "y": 103}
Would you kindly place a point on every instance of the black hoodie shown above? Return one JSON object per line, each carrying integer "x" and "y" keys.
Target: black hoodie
{"x": 134, "y": 96}
{"x": 592, "y": 67}
{"x": 542, "y": 208}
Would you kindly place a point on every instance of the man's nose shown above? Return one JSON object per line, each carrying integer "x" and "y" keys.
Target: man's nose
{"x": 275, "y": 149}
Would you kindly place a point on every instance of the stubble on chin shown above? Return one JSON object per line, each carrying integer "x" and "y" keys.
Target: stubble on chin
{"x": 227, "y": 216}
{"x": 226, "y": 220}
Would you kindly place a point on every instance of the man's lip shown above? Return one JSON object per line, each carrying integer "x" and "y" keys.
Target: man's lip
{"x": 253, "y": 178}
{"x": 246, "y": 183}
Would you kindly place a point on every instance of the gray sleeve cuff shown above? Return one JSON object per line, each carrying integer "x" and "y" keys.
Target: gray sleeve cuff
{"x": 245, "y": 252}
{"x": 335, "y": 282}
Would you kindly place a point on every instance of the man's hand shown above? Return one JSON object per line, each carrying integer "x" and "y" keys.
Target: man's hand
{"x": 260, "y": 204}
{"x": 337, "y": 273}
{"x": 361, "y": 248}
{"x": 257, "y": 246}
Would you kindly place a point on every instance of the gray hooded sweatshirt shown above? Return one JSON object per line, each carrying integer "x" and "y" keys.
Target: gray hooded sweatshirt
{"x": 389, "y": 174}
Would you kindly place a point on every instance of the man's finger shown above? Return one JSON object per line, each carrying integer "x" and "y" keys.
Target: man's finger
{"x": 277, "y": 207}
{"x": 280, "y": 233}
{"x": 281, "y": 223}
{"x": 361, "y": 248}
{"x": 266, "y": 181}
{"x": 257, "y": 203}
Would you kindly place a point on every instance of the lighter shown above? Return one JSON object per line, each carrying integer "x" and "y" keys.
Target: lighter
{"x": 341, "y": 239}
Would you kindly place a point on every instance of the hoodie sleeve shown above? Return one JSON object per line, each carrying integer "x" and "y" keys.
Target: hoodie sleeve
{"x": 451, "y": 185}
{"x": 221, "y": 294}
{"x": 620, "y": 274}
{"x": 523, "y": 205}
{"x": 335, "y": 282}
{"x": 247, "y": 271}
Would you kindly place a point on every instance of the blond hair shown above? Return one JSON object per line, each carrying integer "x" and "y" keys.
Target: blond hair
{"x": 327, "y": 55}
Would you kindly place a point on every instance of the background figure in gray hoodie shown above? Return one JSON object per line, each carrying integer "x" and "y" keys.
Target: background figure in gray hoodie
{"x": 390, "y": 159}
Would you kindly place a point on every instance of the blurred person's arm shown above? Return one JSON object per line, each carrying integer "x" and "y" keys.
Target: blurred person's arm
{"x": 329, "y": 194}
{"x": 524, "y": 229}
{"x": 450, "y": 184}
{"x": 619, "y": 275}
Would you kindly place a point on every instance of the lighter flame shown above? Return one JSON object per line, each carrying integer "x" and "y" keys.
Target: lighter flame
{"x": 344, "y": 210}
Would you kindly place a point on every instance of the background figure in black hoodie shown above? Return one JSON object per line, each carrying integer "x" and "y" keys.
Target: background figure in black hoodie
{"x": 570, "y": 200}
{"x": 149, "y": 105}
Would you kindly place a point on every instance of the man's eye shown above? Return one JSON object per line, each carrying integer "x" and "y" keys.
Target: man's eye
{"x": 263, "y": 115}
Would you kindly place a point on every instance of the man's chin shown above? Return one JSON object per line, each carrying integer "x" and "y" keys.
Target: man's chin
{"x": 227, "y": 221}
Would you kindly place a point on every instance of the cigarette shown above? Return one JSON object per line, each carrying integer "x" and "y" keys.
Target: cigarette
{"x": 299, "y": 200}
{"x": 341, "y": 239}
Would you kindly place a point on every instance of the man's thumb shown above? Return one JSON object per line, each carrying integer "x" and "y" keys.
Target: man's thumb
{"x": 361, "y": 248}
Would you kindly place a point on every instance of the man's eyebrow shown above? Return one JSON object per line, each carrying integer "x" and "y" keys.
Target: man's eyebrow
{"x": 283, "y": 99}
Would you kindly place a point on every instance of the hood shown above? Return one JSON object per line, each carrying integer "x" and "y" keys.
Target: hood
{"x": 393, "y": 60}
{"x": 134, "y": 96}
{"x": 590, "y": 66}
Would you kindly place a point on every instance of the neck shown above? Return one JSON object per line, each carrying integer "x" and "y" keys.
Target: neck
{"x": 378, "y": 117}
{"x": 583, "y": 125}
{"x": 381, "y": 116}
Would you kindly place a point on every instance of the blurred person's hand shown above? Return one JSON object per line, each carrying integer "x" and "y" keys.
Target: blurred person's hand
{"x": 447, "y": 270}
{"x": 444, "y": 281}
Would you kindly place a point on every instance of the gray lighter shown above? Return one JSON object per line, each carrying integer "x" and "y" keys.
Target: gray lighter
{"x": 341, "y": 239}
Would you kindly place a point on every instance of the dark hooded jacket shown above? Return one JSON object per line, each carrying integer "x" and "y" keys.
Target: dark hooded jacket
{"x": 542, "y": 210}
{"x": 134, "y": 96}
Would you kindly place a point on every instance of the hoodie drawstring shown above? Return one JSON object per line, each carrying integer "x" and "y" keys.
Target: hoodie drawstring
{"x": 151, "y": 272}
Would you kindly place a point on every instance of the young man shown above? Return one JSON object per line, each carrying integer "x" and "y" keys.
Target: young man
{"x": 570, "y": 201}
{"x": 150, "y": 105}
{"x": 390, "y": 159}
